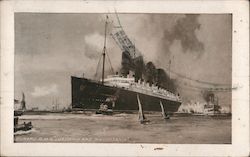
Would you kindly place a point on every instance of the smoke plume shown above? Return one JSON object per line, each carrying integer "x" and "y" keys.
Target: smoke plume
{"x": 208, "y": 95}
{"x": 146, "y": 72}
{"x": 185, "y": 31}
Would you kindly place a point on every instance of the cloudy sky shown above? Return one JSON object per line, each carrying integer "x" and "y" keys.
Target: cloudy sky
{"x": 49, "y": 48}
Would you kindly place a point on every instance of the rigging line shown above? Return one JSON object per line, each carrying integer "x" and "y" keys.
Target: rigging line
{"x": 112, "y": 69}
{"x": 221, "y": 89}
{"x": 98, "y": 64}
{"x": 191, "y": 89}
{"x": 199, "y": 81}
{"x": 216, "y": 89}
{"x": 190, "y": 86}
{"x": 184, "y": 82}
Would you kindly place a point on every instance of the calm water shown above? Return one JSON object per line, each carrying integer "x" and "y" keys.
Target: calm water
{"x": 125, "y": 128}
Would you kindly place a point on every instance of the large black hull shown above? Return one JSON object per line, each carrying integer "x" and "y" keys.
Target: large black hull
{"x": 87, "y": 94}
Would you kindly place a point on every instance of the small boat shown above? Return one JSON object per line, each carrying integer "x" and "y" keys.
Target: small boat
{"x": 18, "y": 112}
{"x": 165, "y": 116}
{"x": 104, "y": 110}
{"x": 21, "y": 127}
{"x": 142, "y": 118}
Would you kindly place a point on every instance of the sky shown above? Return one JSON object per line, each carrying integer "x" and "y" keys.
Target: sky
{"x": 50, "y": 48}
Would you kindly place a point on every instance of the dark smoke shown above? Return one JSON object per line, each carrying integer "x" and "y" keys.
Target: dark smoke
{"x": 127, "y": 63}
{"x": 208, "y": 96}
{"x": 184, "y": 31}
{"x": 164, "y": 81}
{"x": 136, "y": 65}
{"x": 150, "y": 73}
{"x": 211, "y": 98}
{"x": 146, "y": 72}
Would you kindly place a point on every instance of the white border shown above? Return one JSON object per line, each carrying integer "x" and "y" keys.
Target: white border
{"x": 240, "y": 75}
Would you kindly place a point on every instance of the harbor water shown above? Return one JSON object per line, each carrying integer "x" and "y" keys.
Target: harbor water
{"x": 125, "y": 128}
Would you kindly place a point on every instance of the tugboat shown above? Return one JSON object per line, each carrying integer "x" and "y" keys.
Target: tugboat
{"x": 104, "y": 108}
{"x": 212, "y": 107}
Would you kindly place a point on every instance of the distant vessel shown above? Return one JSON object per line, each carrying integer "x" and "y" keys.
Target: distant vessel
{"x": 120, "y": 91}
{"x": 212, "y": 107}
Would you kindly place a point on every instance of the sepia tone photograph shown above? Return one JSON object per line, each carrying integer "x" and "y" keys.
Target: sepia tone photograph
{"x": 123, "y": 78}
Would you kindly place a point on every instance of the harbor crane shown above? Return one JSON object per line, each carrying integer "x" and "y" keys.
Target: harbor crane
{"x": 123, "y": 41}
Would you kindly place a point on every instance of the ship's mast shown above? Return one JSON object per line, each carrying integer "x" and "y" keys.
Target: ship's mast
{"x": 104, "y": 49}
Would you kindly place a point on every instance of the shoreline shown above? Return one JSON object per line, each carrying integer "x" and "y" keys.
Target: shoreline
{"x": 90, "y": 112}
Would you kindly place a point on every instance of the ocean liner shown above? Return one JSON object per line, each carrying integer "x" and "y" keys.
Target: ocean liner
{"x": 120, "y": 92}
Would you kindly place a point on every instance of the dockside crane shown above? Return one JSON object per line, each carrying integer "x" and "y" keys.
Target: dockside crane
{"x": 123, "y": 41}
